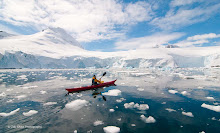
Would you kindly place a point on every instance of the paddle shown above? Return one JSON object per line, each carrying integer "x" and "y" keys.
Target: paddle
{"x": 103, "y": 75}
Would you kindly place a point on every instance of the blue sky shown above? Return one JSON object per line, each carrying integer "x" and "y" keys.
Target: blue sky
{"x": 113, "y": 25}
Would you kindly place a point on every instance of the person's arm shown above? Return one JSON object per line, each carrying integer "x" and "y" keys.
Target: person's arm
{"x": 96, "y": 80}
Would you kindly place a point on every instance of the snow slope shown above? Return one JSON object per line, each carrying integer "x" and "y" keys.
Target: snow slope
{"x": 54, "y": 48}
{"x": 5, "y": 34}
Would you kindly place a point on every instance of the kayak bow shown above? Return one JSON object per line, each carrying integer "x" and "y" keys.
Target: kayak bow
{"x": 90, "y": 87}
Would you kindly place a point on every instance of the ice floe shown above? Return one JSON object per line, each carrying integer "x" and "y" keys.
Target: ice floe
{"x": 137, "y": 106}
{"x": 149, "y": 119}
{"x": 133, "y": 125}
{"x": 111, "y": 110}
{"x": 49, "y": 103}
{"x": 188, "y": 114}
{"x": 76, "y": 104}
{"x": 111, "y": 129}
{"x": 30, "y": 113}
{"x": 184, "y": 93}
{"x": 43, "y": 92}
{"x": 21, "y": 97}
{"x": 170, "y": 110}
{"x": 140, "y": 89}
{"x": 172, "y": 91}
{"x": 211, "y": 107}
{"x": 114, "y": 92}
{"x": 11, "y": 113}
{"x": 120, "y": 100}
{"x": 98, "y": 122}
{"x": 210, "y": 98}
{"x": 2, "y": 94}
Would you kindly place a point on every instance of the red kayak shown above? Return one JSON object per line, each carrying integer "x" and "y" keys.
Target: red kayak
{"x": 91, "y": 87}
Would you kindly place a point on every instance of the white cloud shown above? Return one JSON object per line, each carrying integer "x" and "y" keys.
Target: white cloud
{"x": 148, "y": 41}
{"x": 176, "y": 18}
{"x": 197, "y": 40}
{"x": 87, "y": 20}
{"x": 204, "y": 36}
{"x": 149, "y": 119}
{"x": 183, "y": 2}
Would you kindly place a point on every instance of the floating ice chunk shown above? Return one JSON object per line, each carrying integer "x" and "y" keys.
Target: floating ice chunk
{"x": 202, "y": 132}
{"x": 50, "y": 103}
{"x": 30, "y": 113}
{"x": 111, "y": 110}
{"x": 164, "y": 103}
{"x": 170, "y": 110}
{"x": 172, "y": 91}
{"x": 120, "y": 100}
{"x": 129, "y": 105}
{"x": 184, "y": 93}
{"x": 96, "y": 123}
{"x": 2, "y": 94}
{"x": 43, "y": 92}
{"x": 149, "y": 119}
{"x": 111, "y": 129}
{"x": 138, "y": 106}
{"x": 11, "y": 113}
{"x": 133, "y": 125}
{"x": 9, "y": 90}
{"x": 76, "y": 104}
{"x": 188, "y": 114}
{"x": 143, "y": 107}
{"x": 114, "y": 92}
{"x": 119, "y": 119}
{"x": 21, "y": 97}
{"x": 9, "y": 101}
{"x": 200, "y": 87}
{"x": 211, "y": 107}
{"x": 140, "y": 89}
{"x": 213, "y": 118}
{"x": 75, "y": 131}
{"x": 210, "y": 98}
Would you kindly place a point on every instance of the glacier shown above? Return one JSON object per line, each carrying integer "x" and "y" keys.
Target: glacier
{"x": 55, "y": 48}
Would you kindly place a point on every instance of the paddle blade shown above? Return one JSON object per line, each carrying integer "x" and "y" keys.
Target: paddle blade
{"x": 104, "y": 74}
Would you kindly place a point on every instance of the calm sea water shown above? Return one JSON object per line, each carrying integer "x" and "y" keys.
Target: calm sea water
{"x": 174, "y": 98}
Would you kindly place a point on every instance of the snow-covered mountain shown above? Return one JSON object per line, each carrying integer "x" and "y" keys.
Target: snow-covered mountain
{"x": 4, "y": 34}
{"x": 54, "y": 48}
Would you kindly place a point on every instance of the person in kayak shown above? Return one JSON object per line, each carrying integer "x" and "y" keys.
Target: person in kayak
{"x": 95, "y": 81}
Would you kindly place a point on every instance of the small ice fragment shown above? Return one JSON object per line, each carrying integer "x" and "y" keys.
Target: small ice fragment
{"x": 2, "y": 94}
{"x": 30, "y": 113}
{"x": 119, "y": 119}
{"x": 43, "y": 92}
{"x": 133, "y": 125}
{"x": 96, "y": 123}
{"x": 120, "y": 100}
{"x": 211, "y": 107}
{"x": 170, "y": 110}
{"x": 11, "y": 113}
{"x": 114, "y": 92}
{"x": 163, "y": 103}
{"x": 21, "y": 97}
{"x": 76, "y": 104}
{"x": 172, "y": 91}
{"x": 188, "y": 114}
{"x": 75, "y": 131}
{"x": 111, "y": 129}
{"x": 149, "y": 119}
{"x": 49, "y": 103}
{"x": 202, "y": 132}
{"x": 140, "y": 89}
{"x": 111, "y": 110}
{"x": 184, "y": 92}
{"x": 210, "y": 98}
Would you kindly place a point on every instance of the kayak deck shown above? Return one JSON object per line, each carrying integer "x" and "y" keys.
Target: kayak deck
{"x": 90, "y": 87}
